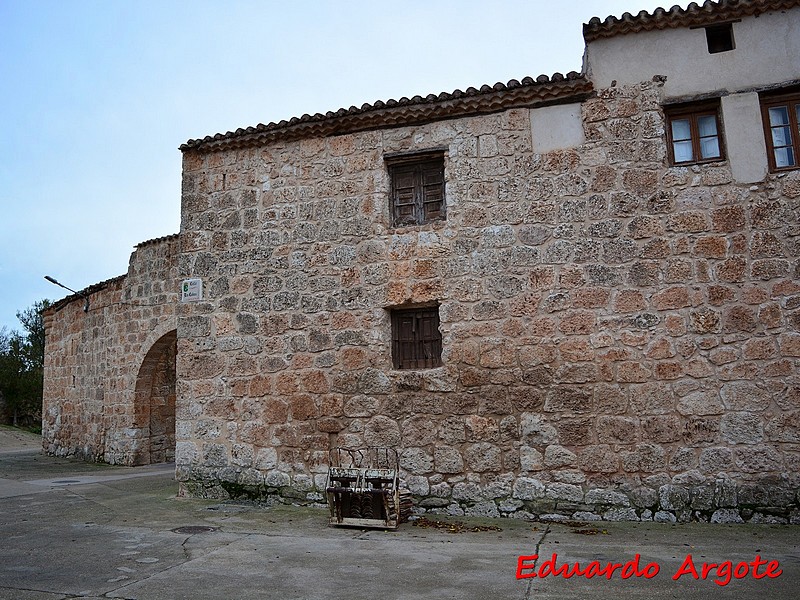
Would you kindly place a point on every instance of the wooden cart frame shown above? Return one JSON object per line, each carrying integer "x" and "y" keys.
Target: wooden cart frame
{"x": 363, "y": 487}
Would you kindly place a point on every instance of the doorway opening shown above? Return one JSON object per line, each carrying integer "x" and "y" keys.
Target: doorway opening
{"x": 155, "y": 402}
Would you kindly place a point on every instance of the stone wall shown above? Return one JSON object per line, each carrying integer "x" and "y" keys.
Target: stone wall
{"x": 620, "y": 337}
{"x": 98, "y": 379}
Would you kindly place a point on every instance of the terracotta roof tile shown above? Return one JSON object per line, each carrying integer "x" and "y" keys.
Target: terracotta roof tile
{"x": 87, "y": 291}
{"x": 395, "y": 113}
{"x": 165, "y": 238}
{"x": 693, "y": 16}
{"x": 96, "y": 287}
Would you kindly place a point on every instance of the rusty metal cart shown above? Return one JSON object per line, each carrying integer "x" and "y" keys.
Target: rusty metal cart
{"x": 363, "y": 488}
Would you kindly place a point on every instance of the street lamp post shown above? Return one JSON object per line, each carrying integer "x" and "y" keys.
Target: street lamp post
{"x": 85, "y": 296}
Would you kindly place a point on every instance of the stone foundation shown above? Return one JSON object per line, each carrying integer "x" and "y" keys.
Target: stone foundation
{"x": 770, "y": 500}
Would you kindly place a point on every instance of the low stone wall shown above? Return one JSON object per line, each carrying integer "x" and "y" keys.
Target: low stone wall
{"x": 93, "y": 360}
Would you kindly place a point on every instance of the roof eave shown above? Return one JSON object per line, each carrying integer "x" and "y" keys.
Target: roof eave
{"x": 693, "y": 16}
{"x": 489, "y": 99}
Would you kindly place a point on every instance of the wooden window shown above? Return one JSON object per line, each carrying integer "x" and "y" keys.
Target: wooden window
{"x": 417, "y": 194}
{"x": 416, "y": 340}
{"x": 781, "y": 116}
{"x": 694, "y": 134}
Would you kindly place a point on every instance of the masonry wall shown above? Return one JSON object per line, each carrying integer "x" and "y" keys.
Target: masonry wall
{"x": 620, "y": 337}
{"x": 94, "y": 361}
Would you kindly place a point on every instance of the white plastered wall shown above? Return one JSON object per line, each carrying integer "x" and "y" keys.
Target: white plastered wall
{"x": 556, "y": 128}
{"x": 767, "y": 52}
{"x": 744, "y": 137}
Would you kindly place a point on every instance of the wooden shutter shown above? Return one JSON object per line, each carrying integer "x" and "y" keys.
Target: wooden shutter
{"x": 417, "y": 191}
{"x": 404, "y": 203}
{"x": 416, "y": 340}
{"x": 404, "y": 356}
{"x": 429, "y": 340}
{"x": 432, "y": 188}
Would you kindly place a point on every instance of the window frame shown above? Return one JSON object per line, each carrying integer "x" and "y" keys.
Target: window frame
{"x": 791, "y": 100}
{"x": 425, "y": 351}
{"x": 719, "y": 37}
{"x": 693, "y": 112}
{"x": 425, "y": 173}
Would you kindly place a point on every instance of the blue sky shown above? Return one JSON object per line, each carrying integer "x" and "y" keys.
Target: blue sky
{"x": 98, "y": 95}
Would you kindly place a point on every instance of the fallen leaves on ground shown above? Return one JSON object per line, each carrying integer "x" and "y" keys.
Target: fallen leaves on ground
{"x": 453, "y": 526}
{"x": 582, "y": 529}
{"x": 591, "y": 531}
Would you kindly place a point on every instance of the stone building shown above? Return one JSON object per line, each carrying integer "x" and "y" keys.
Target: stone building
{"x": 573, "y": 295}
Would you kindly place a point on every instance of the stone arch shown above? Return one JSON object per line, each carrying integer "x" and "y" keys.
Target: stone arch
{"x": 154, "y": 402}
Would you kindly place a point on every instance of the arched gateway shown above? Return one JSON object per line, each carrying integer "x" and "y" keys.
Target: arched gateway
{"x": 154, "y": 402}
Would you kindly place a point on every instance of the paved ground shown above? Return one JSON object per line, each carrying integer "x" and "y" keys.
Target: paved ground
{"x": 76, "y": 530}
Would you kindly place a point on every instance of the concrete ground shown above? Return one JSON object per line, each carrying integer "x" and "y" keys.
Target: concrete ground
{"x": 75, "y": 530}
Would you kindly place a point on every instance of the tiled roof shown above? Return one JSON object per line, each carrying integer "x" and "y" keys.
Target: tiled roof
{"x": 95, "y": 287}
{"x": 407, "y": 111}
{"x": 693, "y": 16}
{"x": 165, "y": 238}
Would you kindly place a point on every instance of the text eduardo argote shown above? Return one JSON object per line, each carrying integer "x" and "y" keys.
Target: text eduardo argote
{"x": 720, "y": 573}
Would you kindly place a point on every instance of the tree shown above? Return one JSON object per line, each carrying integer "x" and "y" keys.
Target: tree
{"x": 33, "y": 322}
{"x": 12, "y": 373}
{"x": 22, "y": 366}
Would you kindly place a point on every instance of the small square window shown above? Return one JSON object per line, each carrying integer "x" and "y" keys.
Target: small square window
{"x": 416, "y": 339}
{"x": 720, "y": 38}
{"x": 781, "y": 117}
{"x": 694, "y": 134}
{"x": 417, "y": 194}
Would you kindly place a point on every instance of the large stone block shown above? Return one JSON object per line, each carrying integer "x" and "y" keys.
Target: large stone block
{"x": 530, "y": 459}
{"x": 448, "y": 460}
{"x": 575, "y": 432}
{"x": 645, "y": 458}
{"x": 526, "y": 488}
{"x": 598, "y": 459}
{"x": 418, "y": 430}
{"x": 416, "y": 460}
{"x": 535, "y": 430}
{"x": 784, "y": 428}
{"x": 564, "y": 492}
{"x": 617, "y": 430}
{"x": 742, "y": 428}
{"x": 382, "y": 431}
{"x": 671, "y": 497}
{"x": 482, "y": 457}
{"x": 701, "y": 403}
{"x": 661, "y": 428}
{"x": 757, "y": 459}
{"x": 556, "y": 456}
{"x": 569, "y": 399}
{"x": 481, "y": 429}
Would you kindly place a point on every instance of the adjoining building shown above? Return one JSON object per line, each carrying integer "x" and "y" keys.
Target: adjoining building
{"x": 109, "y": 367}
{"x": 571, "y": 295}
